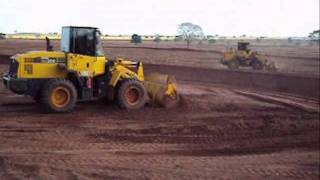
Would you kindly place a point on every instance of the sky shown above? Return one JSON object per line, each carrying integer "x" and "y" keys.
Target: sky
{"x": 277, "y": 18}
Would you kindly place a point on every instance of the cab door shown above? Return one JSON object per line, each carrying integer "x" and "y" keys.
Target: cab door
{"x": 86, "y": 66}
{"x": 82, "y": 56}
{"x": 99, "y": 66}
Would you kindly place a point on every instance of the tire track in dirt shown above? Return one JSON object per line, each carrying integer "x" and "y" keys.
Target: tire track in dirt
{"x": 215, "y": 133}
{"x": 281, "y": 101}
{"x": 142, "y": 166}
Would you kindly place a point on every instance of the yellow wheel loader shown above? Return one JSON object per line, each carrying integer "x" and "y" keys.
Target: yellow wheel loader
{"x": 80, "y": 71}
{"x": 244, "y": 57}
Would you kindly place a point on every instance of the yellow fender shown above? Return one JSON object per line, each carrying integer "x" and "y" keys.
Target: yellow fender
{"x": 120, "y": 71}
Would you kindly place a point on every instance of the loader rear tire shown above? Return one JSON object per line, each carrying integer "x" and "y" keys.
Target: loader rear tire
{"x": 58, "y": 96}
{"x": 131, "y": 95}
{"x": 234, "y": 64}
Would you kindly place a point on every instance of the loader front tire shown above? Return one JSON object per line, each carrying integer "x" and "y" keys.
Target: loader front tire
{"x": 233, "y": 64}
{"x": 131, "y": 95}
{"x": 257, "y": 65}
{"x": 58, "y": 96}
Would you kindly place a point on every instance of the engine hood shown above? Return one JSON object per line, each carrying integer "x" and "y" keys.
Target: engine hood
{"x": 33, "y": 56}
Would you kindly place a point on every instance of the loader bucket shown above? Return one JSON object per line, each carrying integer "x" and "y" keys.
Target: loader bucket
{"x": 271, "y": 67}
{"x": 162, "y": 90}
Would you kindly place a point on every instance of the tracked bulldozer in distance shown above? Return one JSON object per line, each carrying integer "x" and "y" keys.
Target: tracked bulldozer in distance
{"x": 80, "y": 71}
{"x": 244, "y": 57}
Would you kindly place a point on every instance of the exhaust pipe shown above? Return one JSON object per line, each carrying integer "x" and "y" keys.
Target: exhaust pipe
{"x": 49, "y": 46}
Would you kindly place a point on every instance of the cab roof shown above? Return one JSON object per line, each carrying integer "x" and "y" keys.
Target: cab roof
{"x": 77, "y": 27}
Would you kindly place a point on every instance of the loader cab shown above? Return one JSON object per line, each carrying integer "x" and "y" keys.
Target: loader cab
{"x": 243, "y": 46}
{"x": 81, "y": 40}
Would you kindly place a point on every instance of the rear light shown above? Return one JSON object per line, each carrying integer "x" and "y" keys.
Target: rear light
{"x": 89, "y": 83}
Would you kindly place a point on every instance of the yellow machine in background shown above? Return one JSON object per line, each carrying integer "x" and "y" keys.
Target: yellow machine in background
{"x": 57, "y": 79}
{"x": 246, "y": 58}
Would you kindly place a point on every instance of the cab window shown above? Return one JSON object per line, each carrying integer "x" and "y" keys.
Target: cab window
{"x": 99, "y": 48}
{"x": 84, "y": 41}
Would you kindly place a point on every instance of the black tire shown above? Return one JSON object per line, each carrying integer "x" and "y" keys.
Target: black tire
{"x": 233, "y": 64}
{"x": 47, "y": 96}
{"x": 257, "y": 65}
{"x": 125, "y": 91}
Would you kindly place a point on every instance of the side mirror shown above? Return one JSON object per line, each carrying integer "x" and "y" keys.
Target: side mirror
{"x": 49, "y": 46}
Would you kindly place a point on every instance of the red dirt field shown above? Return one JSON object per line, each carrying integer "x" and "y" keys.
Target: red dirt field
{"x": 259, "y": 126}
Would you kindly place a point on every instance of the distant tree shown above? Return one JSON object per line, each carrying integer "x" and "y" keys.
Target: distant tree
{"x": 315, "y": 35}
{"x": 135, "y": 38}
{"x": 212, "y": 41}
{"x": 2, "y": 36}
{"x": 157, "y": 39}
{"x": 290, "y": 40}
{"x": 209, "y": 36}
{"x": 258, "y": 40}
{"x": 177, "y": 39}
{"x": 190, "y": 32}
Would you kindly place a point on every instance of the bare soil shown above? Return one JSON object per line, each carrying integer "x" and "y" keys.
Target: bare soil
{"x": 249, "y": 128}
